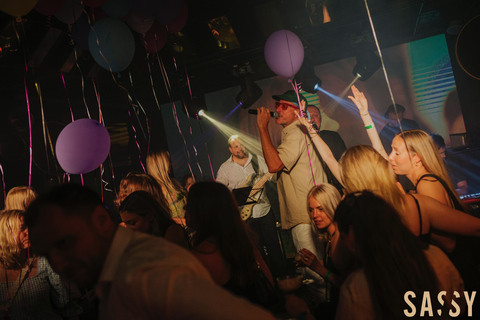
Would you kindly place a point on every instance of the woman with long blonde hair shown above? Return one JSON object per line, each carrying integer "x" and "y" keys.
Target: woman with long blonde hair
{"x": 322, "y": 201}
{"x": 18, "y": 198}
{"x": 415, "y": 155}
{"x": 29, "y": 289}
{"x": 363, "y": 168}
{"x": 158, "y": 166}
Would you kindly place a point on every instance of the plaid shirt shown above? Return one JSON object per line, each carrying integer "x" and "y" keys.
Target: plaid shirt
{"x": 42, "y": 296}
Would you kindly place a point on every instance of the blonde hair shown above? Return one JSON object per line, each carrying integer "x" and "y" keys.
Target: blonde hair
{"x": 13, "y": 256}
{"x": 19, "y": 198}
{"x": 421, "y": 144}
{"x": 363, "y": 168}
{"x": 329, "y": 198}
{"x": 140, "y": 181}
{"x": 158, "y": 166}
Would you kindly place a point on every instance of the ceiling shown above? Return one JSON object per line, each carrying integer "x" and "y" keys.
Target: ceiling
{"x": 42, "y": 45}
{"x": 210, "y": 67}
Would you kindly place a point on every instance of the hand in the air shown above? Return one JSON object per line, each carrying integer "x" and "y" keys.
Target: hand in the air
{"x": 303, "y": 120}
{"x": 359, "y": 100}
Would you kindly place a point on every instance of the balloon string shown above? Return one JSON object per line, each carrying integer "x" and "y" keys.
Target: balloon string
{"x": 50, "y": 143}
{"x": 149, "y": 135}
{"x": 138, "y": 102}
{"x": 290, "y": 55}
{"x": 191, "y": 131}
{"x": 166, "y": 81}
{"x": 103, "y": 183}
{"x": 44, "y": 130}
{"x": 97, "y": 96}
{"x": 66, "y": 94}
{"x": 136, "y": 142}
{"x": 206, "y": 148}
{"x": 67, "y": 176}
{"x": 295, "y": 87}
{"x": 152, "y": 86}
{"x": 98, "y": 44}
{"x": 3, "y": 184}
{"x": 81, "y": 74}
{"x": 190, "y": 125}
{"x": 386, "y": 75}
{"x": 383, "y": 63}
{"x": 113, "y": 175}
{"x": 130, "y": 99}
{"x": 39, "y": 92}
{"x": 138, "y": 106}
{"x": 30, "y": 147}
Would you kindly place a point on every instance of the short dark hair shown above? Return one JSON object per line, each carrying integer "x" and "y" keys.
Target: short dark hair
{"x": 438, "y": 140}
{"x": 376, "y": 224}
{"x": 391, "y": 108}
{"x": 71, "y": 198}
{"x": 143, "y": 204}
{"x": 314, "y": 106}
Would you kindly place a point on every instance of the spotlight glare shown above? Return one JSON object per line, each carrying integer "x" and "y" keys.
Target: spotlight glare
{"x": 201, "y": 113}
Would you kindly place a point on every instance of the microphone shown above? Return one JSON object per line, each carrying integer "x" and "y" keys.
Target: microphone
{"x": 273, "y": 114}
{"x": 315, "y": 127}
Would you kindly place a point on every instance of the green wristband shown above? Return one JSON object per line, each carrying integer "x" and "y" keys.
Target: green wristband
{"x": 369, "y": 126}
{"x": 328, "y": 275}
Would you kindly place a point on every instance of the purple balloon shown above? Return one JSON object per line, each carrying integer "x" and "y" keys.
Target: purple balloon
{"x": 82, "y": 146}
{"x": 284, "y": 53}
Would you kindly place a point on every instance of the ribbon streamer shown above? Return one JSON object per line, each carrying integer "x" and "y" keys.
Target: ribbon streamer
{"x": 301, "y": 114}
{"x": 166, "y": 81}
{"x": 3, "y": 184}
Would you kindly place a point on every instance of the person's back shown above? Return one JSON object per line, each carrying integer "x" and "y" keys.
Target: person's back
{"x": 135, "y": 275}
{"x": 144, "y": 267}
{"x": 365, "y": 221}
{"x": 222, "y": 241}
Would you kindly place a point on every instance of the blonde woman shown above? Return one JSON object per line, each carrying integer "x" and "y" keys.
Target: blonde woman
{"x": 29, "y": 289}
{"x": 363, "y": 168}
{"x": 322, "y": 202}
{"x": 415, "y": 155}
{"x": 158, "y": 166}
{"x": 140, "y": 181}
{"x": 18, "y": 198}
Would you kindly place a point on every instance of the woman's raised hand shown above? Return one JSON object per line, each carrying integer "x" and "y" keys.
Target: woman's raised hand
{"x": 359, "y": 100}
{"x": 303, "y": 120}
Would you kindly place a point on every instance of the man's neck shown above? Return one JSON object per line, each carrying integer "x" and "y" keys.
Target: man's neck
{"x": 239, "y": 161}
{"x": 286, "y": 125}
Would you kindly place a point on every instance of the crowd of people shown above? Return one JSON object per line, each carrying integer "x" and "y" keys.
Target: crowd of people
{"x": 211, "y": 249}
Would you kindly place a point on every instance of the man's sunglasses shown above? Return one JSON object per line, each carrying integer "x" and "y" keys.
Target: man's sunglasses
{"x": 284, "y": 106}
